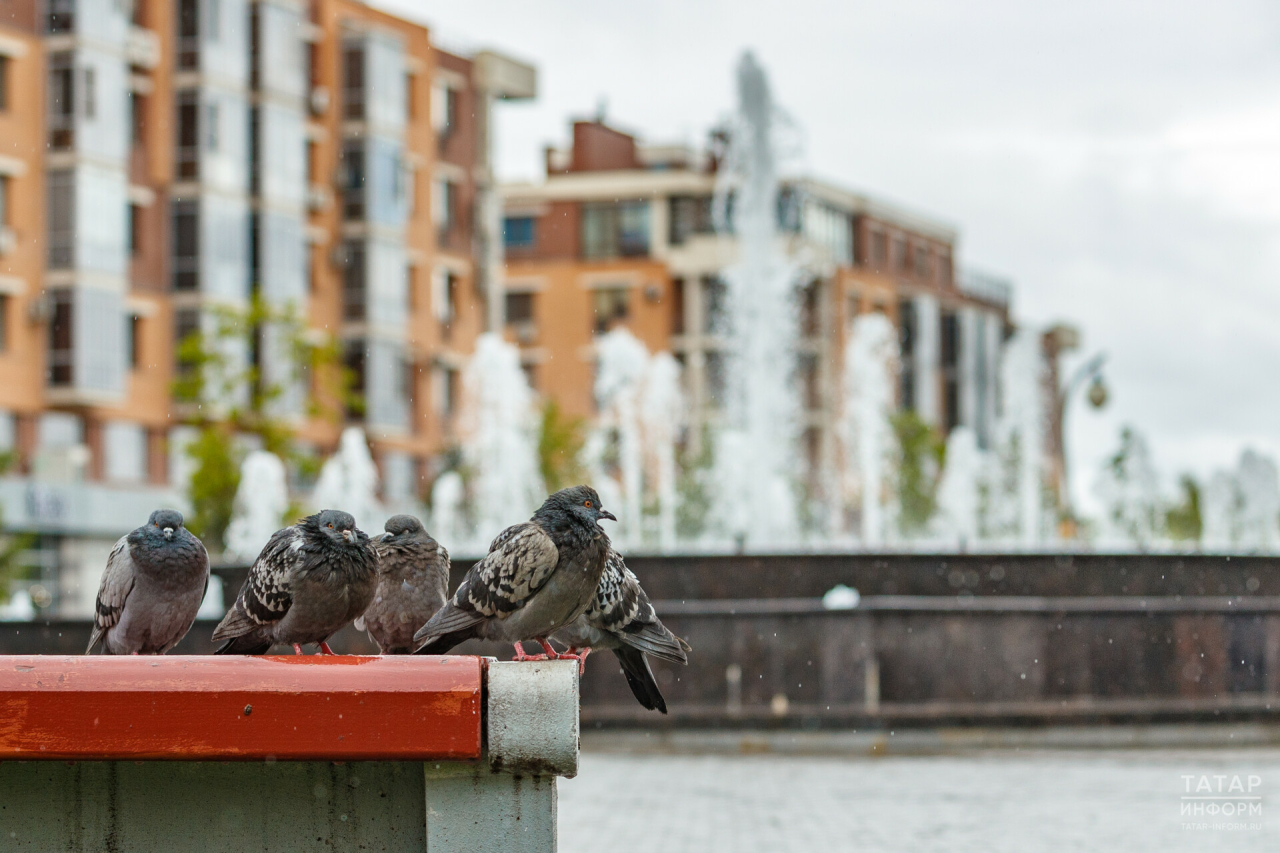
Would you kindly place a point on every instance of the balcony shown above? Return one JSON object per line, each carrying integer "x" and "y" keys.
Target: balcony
{"x": 143, "y": 48}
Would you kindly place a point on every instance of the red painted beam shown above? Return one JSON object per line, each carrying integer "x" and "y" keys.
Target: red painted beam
{"x": 205, "y": 707}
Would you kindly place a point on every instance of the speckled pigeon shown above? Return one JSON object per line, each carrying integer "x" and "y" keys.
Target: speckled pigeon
{"x": 622, "y": 619}
{"x": 537, "y": 577}
{"x": 310, "y": 580}
{"x": 413, "y": 583}
{"x": 152, "y": 587}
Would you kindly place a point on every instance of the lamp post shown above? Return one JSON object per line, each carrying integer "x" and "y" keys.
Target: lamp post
{"x": 1091, "y": 372}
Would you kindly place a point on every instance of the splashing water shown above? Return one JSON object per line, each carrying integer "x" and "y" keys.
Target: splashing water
{"x": 349, "y": 482}
{"x": 756, "y": 450}
{"x": 870, "y": 371}
{"x": 957, "y": 522}
{"x": 500, "y": 447}
{"x": 1241, "y": 508}
{"x": 632, "y": 450}
{"x": 448, "y": 510}
{"x": 1016, "y": 513}
{"x": 1129, "y": 489}
{"x": 261, "y": 501}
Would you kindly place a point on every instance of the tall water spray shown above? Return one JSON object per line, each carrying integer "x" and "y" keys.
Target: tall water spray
{"x": 1241, "y": 508}
{"x": 500, "y": 447}
{"x": 261, "y": 501}
{"x": 756, "y": 450}
{"x": 661, "y": 412}
{"x": 349, "y": 482}
{"x": 1129, "y": 489}
{"x": 1016, "y": 499}
{"x": 957, "y": 523}
{"x": 870, "y": 373}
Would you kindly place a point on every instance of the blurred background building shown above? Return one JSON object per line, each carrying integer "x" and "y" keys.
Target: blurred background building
{"x": 166, "y": 160}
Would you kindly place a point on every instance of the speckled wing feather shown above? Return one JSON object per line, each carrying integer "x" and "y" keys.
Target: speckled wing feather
{"x": 621, "y": 607}
{"x": 520, "y": 560}
{"x": 117, "y": 583}
{"x": 265, "y": 597}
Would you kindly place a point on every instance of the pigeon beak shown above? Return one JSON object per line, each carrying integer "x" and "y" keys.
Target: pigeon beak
{"x": 168, "y": 533}
{"x": 349, "y": 535}
{"x": 604, "y": 513}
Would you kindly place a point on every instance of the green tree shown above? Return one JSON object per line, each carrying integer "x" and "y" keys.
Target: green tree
{"x": 921, "y": 454}
{"x": 1183, "y": 520}
{"x": 224, "y": 394}
{"x": 560, "y": 443}
{"x": 693, "y": 487}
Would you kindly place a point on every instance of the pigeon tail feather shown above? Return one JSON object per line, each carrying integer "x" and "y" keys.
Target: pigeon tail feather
{"x": 245, "y": 644}
{"x": 440, "y": 645}
{"x": 655, "y": 639}
{"x": 640, "y": 679}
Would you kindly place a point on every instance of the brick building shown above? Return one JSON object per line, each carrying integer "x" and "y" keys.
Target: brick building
{"x": 162, "y": 159}
{"x": 622, "y": 233}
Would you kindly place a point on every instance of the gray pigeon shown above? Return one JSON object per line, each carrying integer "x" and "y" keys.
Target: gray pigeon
{"x": 537, "y": 577}
{"x": 413, "y": 583}
{"x": 310, "y": 580}
{"x": 151, "y": 589}
{"x": 622, "y": 619}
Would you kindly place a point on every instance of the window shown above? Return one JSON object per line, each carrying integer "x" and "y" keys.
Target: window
{"x": 900, "y": 254}
{"x": 186, "y": 246}
{"x": 949, "y": 333}
{"x": 62, "y": 18}
{"x": 353, "y": 183}
{"x": 353, "y": 282}
{"x": 518, "y": 232}
{"x": 907, "y": 345}
{"x": 60, "y": 338}
{"x": 444, "y": 110}
{"x": 211, "y": 127}
{"x": 879, "y": 249}
{"x": 610, "y": 305}
{"x": 444, "y": 286}
{"x": 4, "y": 200}
{"x": 137, "y": 116}
{"x": 213, "y": 19}
{"x": 353, "y": 82}
{"x": 188, "y": 33}
{"x": 444, "y": 390}
{"x": 125, "y": 446}
{"x": 135, "y": 229}
{"x": 90, "y": 93}
{"x": 62, "y": 101}
{"x": 354, "y": 360}
{"x": 134, "y": 344}
{"x": 188, "y": 164}
{"x": 944, "y": 269}
{"x": 5, "y": 302}
{"x": 714, "y": 301}
{"x": 530, "y": 371}
{"x": 611, "y": 230}
{"x": 690, "y": 215}
{"x": 677, "y": 306}
{"x": 922, "y": 261}
{"x": 61, "y": 219}
{"x": 519, "y": 307}
{"x": 4, "y": 82}
{"x": 444, "y": 204}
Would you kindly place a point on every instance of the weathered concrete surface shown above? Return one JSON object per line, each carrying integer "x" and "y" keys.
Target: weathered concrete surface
{"x": 533, "y": 717}
{"x": 471, "y": 809}
{"x": 194, "y": 807}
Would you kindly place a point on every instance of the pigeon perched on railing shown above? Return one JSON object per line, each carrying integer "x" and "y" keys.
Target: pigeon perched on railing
{"x": 413, "y": 583}
{"x": 622, "y": 619}
{"x": 152, "y": 587}
{"x": 537, "y": 577}
{"x": 310, "y": 580}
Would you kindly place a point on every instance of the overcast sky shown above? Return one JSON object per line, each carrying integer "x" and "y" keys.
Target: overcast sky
{"x": 1120, "y": 161}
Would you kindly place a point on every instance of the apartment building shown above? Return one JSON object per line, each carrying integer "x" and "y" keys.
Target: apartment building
{"x": 163, "y": 160}
{"x": 621, "y": 233}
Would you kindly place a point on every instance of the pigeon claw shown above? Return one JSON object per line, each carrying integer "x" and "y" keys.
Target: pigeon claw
{"x": 325, "y": 650}
{"x": 297, "y": 649}
{"x": 580, "y": 655}
{"x": 520, "y": 654}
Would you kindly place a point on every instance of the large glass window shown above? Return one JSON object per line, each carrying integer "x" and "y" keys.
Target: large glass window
{"x": 62, "y": 16}
{"x": 186, "y": 246}
{"x": 610, "y": 305}
{"x": 4, "y": 82}
{"x": 188, "y": 33}
{"x": 62, "y": 219}
{"x": 615, "y": 229}
{"x": 62, "y": 101}
{"x": 353, "y": 82}
{"x": 353, "y": 180}
{"x": 354, "y": 297}
{"x": 690, "y": 215}
{"x": 188, "y": 160}
{"x": 61, "y": 338}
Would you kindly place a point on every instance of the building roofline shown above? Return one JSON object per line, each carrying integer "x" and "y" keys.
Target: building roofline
{"x": 860, "y": 203}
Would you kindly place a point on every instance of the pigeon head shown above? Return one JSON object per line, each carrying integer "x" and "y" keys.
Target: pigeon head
{"x": 578, "y": 504}
{"x": 164, "y": 523}
{"x": 338, "y": 527}
{"x": 403, "y": 527}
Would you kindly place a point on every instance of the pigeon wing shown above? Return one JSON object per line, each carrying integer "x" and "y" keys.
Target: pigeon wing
{"x": 520, "y": 560}
{"x": 117, "y": 583}
{"x": 621, "y": 607}
{"x": 266, "y": 595}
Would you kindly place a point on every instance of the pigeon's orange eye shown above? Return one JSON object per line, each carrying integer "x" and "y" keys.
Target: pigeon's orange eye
{"x": 330, "y": 526}
{"x": 587, "y": 504}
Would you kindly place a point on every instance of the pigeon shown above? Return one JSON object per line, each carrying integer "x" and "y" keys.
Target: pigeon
{"x": 537, "y": 577}
{"x": 152, "y": 587}
{"x": 622, "y": 619}
{"x": 413, "y": 583}
{"x": 310, "y": 580}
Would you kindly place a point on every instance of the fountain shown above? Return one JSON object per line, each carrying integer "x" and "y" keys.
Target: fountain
{"x": 1129, "y": 490}
{"x": 448, "y": 510}
{"x": 757, "y": 448}
{"x": 632, "y": 449}
{"x": 261, "y": 501}
{"x": 957, "y": 523}
{"x": 500, "y": 448}
{"x": 349, "y": 481}
{"x": 1241, "y": 508}
{"x": 1015, "y": 499}
{"x": 870, "y": 373}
